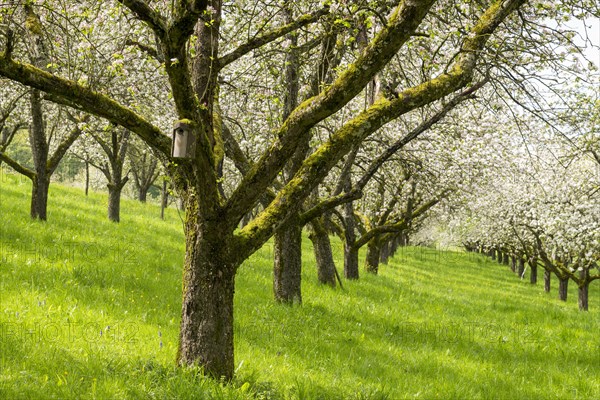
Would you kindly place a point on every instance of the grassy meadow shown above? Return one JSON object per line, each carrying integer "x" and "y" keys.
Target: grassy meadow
{"x": 90, "y": 309}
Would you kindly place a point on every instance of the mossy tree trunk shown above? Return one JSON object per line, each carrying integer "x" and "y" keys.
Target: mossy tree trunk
{"x": 206, "y": 335}
{"x": 39, "y": 152}
{"x": 287, "y": 269}
{"x": 373, "y": 255}
{"x": 350, "y": 251}
{"x": 326, "y": 273}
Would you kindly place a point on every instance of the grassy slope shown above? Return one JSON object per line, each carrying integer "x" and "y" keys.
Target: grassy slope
{"x": 432, "y": 325}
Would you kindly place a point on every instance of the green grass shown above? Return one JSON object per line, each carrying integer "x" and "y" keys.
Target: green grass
{"x": 85, "y": 305}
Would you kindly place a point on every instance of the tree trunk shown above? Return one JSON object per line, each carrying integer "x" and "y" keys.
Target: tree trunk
{"x": 87, "y": 177}
{"x": 521, "y": 270}
{"x": 493, "y": 254}
{"x": 563, "y": 285}
{"x": 547, "y": 280}
{"x": 513, "y": 263}
{"x": 534, "y": 270}
{"x": 350, "y": 253}
{"x": 323, "y": 255}
{"x": 114, "y": 202}
{"x": 206, "y": 336}
{"x": 39, "y": 152}
{"x": 583, "y": 296}
{"x": 583, "y": 289}
{"x": 142, "y": 193}
{"x": 288, "y": 264}
{"x": 505, "y": 259}
{"x": 39, "y": 198}
{"x": 500, "y": 257}
{"x": 394, "y": 244}
{"x": 350, "y": 262}
{"x": 164, "y": 199}
{"x": 385, "y": 252}
{"x": 373, "y": 254}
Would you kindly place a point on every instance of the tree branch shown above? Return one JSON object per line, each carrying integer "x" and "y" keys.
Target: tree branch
{"x": 397, "y": 226}
{"x": 90, "y": 101}
{"x": 186, "y": 16}
{"x": 17, "y": 167}
{"x": 151, "y": 51}
{"x": 268, "y": 37}
{"x": 61, "y": 150}
{"x": 321, "y": 161}
{"x": 146, "y": 14}
{"x": 294, "y": 130}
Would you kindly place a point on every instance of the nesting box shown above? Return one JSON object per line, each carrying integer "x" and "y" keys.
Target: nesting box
{"x": 184, "y": 141}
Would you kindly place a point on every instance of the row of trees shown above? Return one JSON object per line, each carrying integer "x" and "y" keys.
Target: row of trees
{"x": 540, "y": 208}
{"x": 343, "y": 116}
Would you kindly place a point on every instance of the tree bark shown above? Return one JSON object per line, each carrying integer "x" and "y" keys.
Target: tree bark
{"x": 563, "y": 285}
{"x": 287, "y": 270}
{"x": 350, "y": 253}
{"x": 206, "y": 336}
{"x": 373, "y": 254}
{"x": 143, "y": 194}
{"x": 164, "y": 199}
{"x": 521, "y": 270}
{"x": 114, "y": 202}
{"x": 385, "y": 252}
{"x": 500, "y": 257}
{"x": 39, "y": 197}
{"x": 87, "y": 177}
{"x": 513, "y": 263}
{"x": 493, "y": 254}
{"x": 39, "y": 152}
{"x": 547, "y": 280}
{"x": 395, "y": 244}
{"x": 350, "y": 262}
{"x": 326, "y": 273}
{"x": 583, "y": 296}
{"x": 583, "y": 289}
{"x": 505, "y": 258}
{"x": 534, "y": 270}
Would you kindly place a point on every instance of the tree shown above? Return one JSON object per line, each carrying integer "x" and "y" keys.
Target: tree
{"x": 114, "y": 143}
{"x": 145, "y": 168}
{"x": 215, "y": 248}
{"x": 10, "y": 119}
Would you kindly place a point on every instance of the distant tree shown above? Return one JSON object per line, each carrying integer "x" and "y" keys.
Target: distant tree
{"x": 145, "y": 168}
{"x": 114, "y": 142}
